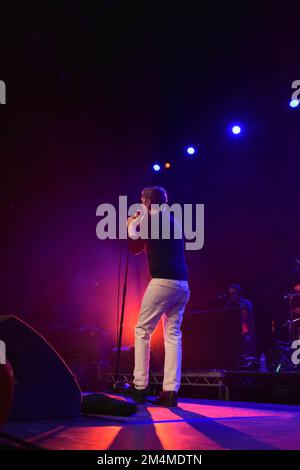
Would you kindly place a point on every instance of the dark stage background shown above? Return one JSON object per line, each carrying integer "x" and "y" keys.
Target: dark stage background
{"x": 99, "y": 91}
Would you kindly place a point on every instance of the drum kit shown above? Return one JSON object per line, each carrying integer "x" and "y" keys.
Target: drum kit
{"x": 279, "y": 357}
{"x": 282, "y": 353}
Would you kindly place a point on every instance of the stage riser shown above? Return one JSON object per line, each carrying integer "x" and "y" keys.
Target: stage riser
{"x": 259, "y": 387}
{"x": 263, "y": 387}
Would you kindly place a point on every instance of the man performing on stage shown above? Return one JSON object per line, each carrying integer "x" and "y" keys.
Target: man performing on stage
{"x": 165, "y": 297}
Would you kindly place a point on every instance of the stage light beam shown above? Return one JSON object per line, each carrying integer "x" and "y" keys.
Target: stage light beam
{"x": 190, "y": 150}
{"x": 156, "y": 167}
{"x": 294, "y": 103}
{"x": 236, "y": 130}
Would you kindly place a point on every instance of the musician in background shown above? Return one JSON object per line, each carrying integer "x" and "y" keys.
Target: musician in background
{"x": 236, "y": 300}
{"x": 295, "y": 317}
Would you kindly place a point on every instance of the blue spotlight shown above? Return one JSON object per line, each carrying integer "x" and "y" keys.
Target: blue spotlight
{"x": 156, "y": 167}
{"x": 294, "y": 103}
{"x": 236, "y": 130}
{"x": 190, "y": 150}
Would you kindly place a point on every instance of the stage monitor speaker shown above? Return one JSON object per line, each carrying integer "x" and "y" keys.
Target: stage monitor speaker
{"x": 7, "y": 384}
{"x": 45, "y": 386}
{"x": 212, "y": 340}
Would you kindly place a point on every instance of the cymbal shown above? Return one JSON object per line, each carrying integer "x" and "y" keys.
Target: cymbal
{"x": 290, "y": 296}
{"x": 289, "y": 322}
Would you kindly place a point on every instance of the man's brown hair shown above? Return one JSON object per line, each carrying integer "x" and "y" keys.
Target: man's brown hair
{"x": 156, "y": 194}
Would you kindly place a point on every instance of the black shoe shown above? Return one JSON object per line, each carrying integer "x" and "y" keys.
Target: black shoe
{"x": 165, "y": 398}
{"x": 129, "y": 390}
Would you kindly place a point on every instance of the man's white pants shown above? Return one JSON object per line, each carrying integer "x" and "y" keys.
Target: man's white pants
{"x": 164, "y": 298}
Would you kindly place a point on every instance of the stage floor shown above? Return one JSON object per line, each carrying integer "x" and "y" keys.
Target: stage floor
{"x": 194, "y": 425}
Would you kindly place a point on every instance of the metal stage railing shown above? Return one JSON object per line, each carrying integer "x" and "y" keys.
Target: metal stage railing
{"x": 201, "y": 379}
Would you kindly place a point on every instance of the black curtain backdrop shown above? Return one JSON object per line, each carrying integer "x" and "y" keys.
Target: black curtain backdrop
{"x": 95, "y": 96}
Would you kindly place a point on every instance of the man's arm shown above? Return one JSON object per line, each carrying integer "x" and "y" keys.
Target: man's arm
{"x": 136, "y": 245}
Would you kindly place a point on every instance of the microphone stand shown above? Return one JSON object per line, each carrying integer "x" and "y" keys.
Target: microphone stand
{"x": 117, "y": 381}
